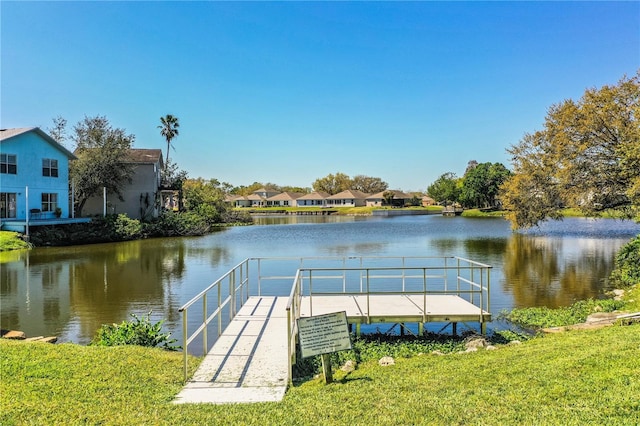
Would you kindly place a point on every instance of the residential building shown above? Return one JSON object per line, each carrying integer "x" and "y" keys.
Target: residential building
{"x": 348, "y": 198}
{"x": 399, "y": 199}
{"x": 284, "y": 199}
{"x": 142, "y": 197}
{"x": 314, "y": 199}
{"x": 34, "y": 175}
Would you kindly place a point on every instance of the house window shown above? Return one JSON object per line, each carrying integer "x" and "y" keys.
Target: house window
{"x": 49, "y": 167}
{"x": 8, "y": 164}
{"x": 49, "y": 201}
{"x": 7, "y": 205}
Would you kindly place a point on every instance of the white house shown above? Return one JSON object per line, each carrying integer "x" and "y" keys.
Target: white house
{"x": 34, "y": 176}
{"x": 348, "y": 198}
{"x": 315, "y": 199}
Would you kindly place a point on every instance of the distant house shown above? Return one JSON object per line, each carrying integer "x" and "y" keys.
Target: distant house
{"x": 428, "y": 201}
{"x": 399, "y": 199}
{"x": 284, "y": 199}
{"x": 315, "y": 199}
{"x": 34, "y": 175}
{"x": 265, "y": 193}
{"x": 238, "y": 200}
{"x": 348, "y": 198}
{"x": 142, "y": 197}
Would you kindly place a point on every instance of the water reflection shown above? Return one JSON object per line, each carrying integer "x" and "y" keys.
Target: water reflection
{"x": 540, "y": 271}
{"x": 71, "y": 291}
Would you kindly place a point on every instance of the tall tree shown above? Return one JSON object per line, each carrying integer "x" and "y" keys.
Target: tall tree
{"x": 445, "y": 189}
{"x": 332, "y": 184}
{"x": 59, "y": 129}
{"x": 481, "y": 184}
{"x": 169, "y": 130}
{"x": 368, "y": 184}
{"x": 586, "y": 156}
{"x": 100, "y": 149}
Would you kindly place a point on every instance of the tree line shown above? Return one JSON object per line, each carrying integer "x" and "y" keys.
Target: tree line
{"x": 586, "y": 156}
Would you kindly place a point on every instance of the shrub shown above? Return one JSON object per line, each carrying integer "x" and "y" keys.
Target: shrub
{"x": 540, "y": 317}
{"x": 138, "y": 331}
{"x": 171, "y": 224}
{"x": 627, "y": 265}
{"x": 127, "y": 228}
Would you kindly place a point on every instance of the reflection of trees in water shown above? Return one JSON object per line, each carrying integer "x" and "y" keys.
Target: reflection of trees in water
{"x": 131, "y": 276}
{"x": 359, "y": 249}
{"x": 540, "y": 272}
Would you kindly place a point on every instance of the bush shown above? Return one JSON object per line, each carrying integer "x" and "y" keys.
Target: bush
{"x": 138, "y": 331}
{"x": 627, "y": 265}
{"x": 541, "y": 317}
{"x": 171, "y": 224}
{"x": 127, "y": 228}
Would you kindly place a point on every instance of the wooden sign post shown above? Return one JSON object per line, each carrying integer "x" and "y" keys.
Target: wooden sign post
{"x": 322, "y": 335}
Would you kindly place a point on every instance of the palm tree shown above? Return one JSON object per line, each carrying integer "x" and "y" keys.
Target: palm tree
{"x": 169, "y": 129}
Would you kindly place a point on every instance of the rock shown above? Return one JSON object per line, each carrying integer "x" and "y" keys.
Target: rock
{"x": 472, "y": 350}
{"x": 348, "y": 366}
{"x": 475, "y": 343}
{"x": 515, "y": 342}
{"x": 491, "y": 348}
{"x": 436, "y": 352}
{"x": 386, "y": 361}
{"x": 618, "y": 292}
{"x": 17, "y": 335}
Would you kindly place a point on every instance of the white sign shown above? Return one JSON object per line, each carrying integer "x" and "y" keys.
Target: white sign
{"x": 323, "y": 334}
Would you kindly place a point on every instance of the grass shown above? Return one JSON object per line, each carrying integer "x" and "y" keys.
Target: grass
{"x": 541, "y": 317}
{"x": 12, "y": 241}
{"x": 480, "y": 213}
{"x": 585, "y": 377}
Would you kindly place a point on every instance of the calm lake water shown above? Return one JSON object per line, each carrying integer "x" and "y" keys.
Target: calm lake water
{"x": 70, "y": 292}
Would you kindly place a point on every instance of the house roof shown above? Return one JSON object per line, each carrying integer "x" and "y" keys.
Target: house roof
{"x": 255, "y": 197}
{"x": 6, "y": 134}
{"x": 348, "y": 194}
{"x": 285, "y": 196}
{"x": 263, "y": 189}
{"x": 144, "y": 156}
{"x": 319, "y": 195}
{"x": 397, "y": 194}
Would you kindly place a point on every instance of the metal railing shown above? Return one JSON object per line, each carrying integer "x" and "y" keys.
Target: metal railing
{"x": 428, "y": 280}
{"x": 328, "y": 275}
{"x": 231, "y": 298}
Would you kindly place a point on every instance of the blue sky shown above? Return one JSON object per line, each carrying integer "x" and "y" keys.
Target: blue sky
{"x": 287, "y": 92}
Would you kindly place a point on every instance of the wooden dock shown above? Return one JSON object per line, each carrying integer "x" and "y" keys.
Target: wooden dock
{"x": 252, "y": 359}
{"x": 248, "y": 362}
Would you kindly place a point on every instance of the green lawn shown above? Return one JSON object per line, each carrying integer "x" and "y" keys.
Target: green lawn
{"x": 578, "y": 377}
{"x": 12, "y": 241}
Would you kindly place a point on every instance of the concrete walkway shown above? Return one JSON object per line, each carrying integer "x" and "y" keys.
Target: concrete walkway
{"x": 248, "y": 363}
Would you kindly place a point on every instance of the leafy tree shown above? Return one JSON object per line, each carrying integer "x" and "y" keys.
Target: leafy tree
{"x": 206, "y": 198}
{"x": 59, "y": 130}
{"x": 298, "y": 189}
{"x": 586, "y": 156}
{"x": 388, "y": 197}
{"x": 169, "y": 130}
{"x": 100, "y": 150}
{"x": 445, "y": 189}
{"x": 332, "y": 184}
{"x": 368, "y": 184}
{"x": 481, "y": 184}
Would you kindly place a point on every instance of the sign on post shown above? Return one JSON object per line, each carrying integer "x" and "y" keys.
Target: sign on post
{"x": 322, "y": 335}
